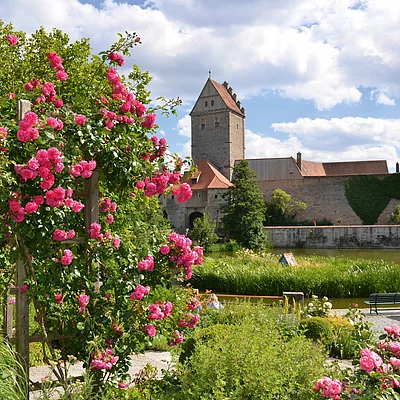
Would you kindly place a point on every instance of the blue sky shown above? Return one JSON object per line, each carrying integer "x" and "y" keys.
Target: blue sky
{"x": 316, "y": 76}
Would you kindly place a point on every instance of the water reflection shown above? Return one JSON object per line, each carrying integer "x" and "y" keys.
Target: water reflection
{"x": 371, "y": 254}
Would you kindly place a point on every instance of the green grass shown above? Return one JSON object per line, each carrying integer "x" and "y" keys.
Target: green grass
{"x": 13, "y": 380}
{"x": 247, "y": 273}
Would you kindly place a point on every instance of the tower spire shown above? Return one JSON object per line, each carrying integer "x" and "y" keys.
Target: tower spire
{"x": 209, "y": 74}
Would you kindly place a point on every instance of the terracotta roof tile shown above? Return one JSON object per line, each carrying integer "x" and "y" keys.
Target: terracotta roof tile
{"x": 378, "y": 167}
{"x": 208, "y": 178}
{"x": 226, "y": 97}
{"x": 311, "y": 168}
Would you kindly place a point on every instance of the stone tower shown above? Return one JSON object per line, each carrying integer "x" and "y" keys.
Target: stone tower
{"x": 218, "y": 127}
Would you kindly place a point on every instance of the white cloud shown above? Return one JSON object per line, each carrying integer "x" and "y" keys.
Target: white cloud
{"x": 381, "y": 97}
{"x": 184, "y": 126}
{"x": 350, "y": 138}
{"x": 322, "y": 51}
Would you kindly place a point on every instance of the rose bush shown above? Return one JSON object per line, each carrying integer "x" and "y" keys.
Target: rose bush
{"x": 92, "y": 281}
{"x": 376, "y": 375}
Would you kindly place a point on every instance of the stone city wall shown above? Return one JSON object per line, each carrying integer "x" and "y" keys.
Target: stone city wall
{"x": 345, "y": 237}
{"x": 325, "y": 198}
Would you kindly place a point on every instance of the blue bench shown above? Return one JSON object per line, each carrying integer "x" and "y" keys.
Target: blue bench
{"x": 388, "y": 300}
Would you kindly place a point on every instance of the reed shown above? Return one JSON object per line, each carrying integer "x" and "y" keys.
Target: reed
{"x": 323, "y": 276}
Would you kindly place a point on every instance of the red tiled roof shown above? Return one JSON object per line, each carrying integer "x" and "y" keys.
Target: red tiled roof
{"x": 344, "y": 168}
{"x": 226, "y": 97}
{"x": 208, "y": 178}
{"x": 311, "y": 168}
{"x": 378, "y": 167}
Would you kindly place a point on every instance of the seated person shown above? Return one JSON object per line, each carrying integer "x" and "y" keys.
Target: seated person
{"x": 213, "y": 302}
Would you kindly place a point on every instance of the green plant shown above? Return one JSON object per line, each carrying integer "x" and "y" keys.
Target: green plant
{"x": 317, "y": 328}
{"x": 261, "y": 274}
{"x": 13, "y": 380}
{"x": 282, "y": 209}
{"x": 228, "y": 366}
{"x": 317, "y": 307}
{"x": 391, "y": 186}
{"x": 366, "y": 197}
{"x": 245, "y": 208}
{"x": 376, "y": 375}
{"x": 394, "y": 217}
{"x": 203, "y": 232}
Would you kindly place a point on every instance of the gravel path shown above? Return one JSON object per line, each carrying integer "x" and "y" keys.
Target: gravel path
{"x": 161, "y": 360}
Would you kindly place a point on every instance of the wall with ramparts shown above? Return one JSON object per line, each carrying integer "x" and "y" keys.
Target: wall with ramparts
{"x": 344, "y": 237}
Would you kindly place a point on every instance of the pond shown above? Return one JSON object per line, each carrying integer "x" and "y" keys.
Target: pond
{"x": 336, "y": 303}
{"x": 370, "y": 254}
{"x": 388, "y": 255}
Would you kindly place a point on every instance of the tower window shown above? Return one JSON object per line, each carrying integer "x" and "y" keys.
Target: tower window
{"x": 216, "y": 122}
{"x": 216, "y": 196}
{"x": 237, "y": 126}
{"x": 206, "y": 103}
{"x": 212, "y": 103}
{"x": 203, "y": 123}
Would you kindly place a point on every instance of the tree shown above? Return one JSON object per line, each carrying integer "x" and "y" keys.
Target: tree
{"x": 394, "y": 217}
{"x": 203, "y": 231}
{"x": 282, "y": 209}
{"x": 245, "y": 208}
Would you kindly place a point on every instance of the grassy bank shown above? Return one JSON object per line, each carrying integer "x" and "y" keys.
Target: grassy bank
{"x": 247, "y": 273}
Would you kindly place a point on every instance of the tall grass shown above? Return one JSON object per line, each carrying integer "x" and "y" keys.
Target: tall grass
{"x": 263, "y": 275}
{"x": 13, "y": 380}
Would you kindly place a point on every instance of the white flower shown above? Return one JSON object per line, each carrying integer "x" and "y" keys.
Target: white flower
{"x": 328, "y": 305}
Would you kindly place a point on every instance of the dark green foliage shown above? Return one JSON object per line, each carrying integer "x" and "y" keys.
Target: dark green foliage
{"x": 366, "y": 197}
{"x": 203, "y": 232}
{"x": 245, "y": 209}
{"x": 282, "y": 209}
{"x": 316, "y": 328}
{"x": 391, "y": 186}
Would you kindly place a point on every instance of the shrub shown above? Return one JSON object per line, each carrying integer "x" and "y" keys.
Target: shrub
{"x": 251, "y": 362}
{"x": 203, "y": 232}
{"x": 317, "y": 307}
{"x": 317, "y": 328}
{"x": 394, "y": 217}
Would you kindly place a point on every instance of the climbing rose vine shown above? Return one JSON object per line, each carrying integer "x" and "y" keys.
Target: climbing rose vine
{"x": 89, "y": 126}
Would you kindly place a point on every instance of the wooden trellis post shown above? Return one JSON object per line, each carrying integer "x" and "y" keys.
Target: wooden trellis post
{"x": 22, "y": 304}
{"x": 22, "y": 338}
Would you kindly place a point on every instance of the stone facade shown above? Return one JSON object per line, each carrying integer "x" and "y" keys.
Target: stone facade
{"x": 344, "y": 237}
{"x": 204, "y": 201}
{"x": 217, "y": 122}
{"x": 325, "y": 198}
{"x": 217, "y": 128}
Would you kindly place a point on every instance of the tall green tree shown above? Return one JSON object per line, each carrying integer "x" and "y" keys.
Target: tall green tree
{"x": 203, "y": 231}
{"x": 282, "y": 208}
{"x": 245, "y": 209}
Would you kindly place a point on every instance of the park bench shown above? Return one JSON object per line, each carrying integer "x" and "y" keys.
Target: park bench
{"x": 388, "y": 300}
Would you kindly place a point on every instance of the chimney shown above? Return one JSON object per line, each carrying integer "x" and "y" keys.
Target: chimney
{"x": 397, "y": 168}
{"x": 243, "y": 111}
{"x": 299, "y": 159}
{"x": 234, "y": 97}
{"x": 225, "y": 84}
{"x": 230, "y": 91}
{"x": 238, "y": 104}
